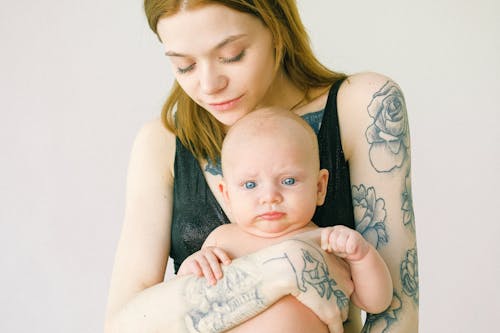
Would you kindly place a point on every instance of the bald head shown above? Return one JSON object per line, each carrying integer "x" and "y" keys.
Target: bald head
{"x": 274, "y": 125}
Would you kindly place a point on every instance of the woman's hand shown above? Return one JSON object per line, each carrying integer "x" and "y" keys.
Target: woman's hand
{"x": 206, "y": 262}
{"x": 322, "y": 281}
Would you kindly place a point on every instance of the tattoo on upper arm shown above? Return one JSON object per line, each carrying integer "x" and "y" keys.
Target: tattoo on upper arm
{"x": 409, "y": 274}
{"x": 407, "y": 206}
{"x": 388, "y": 135}
{"x": 380, "y": 323}
{"x": 369, "y": 215}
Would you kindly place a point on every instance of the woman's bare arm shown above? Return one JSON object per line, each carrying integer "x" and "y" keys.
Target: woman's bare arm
{"x": 144, "y": 244}
{"x": 249, "y": 286}
{"x": 376, "y": 141}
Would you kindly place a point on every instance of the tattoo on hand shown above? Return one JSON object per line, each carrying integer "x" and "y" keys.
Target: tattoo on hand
{"x": 409, "y": 274}
{"x": 407, "y": 207}
{"x": 388, "y": 135}
{"x": 311, "y": 270}
{"x": 217, "y": 308}
{"x": 380, "y": 323}
{"x": 369, "y": 215}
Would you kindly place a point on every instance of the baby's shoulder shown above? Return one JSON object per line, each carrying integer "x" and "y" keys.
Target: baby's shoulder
{"x": 225, "y": 234}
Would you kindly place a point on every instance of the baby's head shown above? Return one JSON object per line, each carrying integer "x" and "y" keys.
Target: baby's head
{"x": 272, "y": 182}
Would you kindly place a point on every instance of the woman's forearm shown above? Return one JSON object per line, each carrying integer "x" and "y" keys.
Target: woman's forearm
{"x": 188, "y": 304}
{"x": 249, "y": 286}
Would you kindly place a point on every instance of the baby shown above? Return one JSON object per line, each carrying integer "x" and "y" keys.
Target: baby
{"x": 271, "y": 186}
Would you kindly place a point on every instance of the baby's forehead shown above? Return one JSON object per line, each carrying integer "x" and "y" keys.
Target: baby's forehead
{"x": 274, "y": 121}
{"x": 257, "y": 129}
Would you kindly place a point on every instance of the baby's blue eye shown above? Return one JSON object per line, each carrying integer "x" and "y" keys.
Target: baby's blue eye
{"x": 288, "y": 181}
{"x": 249, "y": 185}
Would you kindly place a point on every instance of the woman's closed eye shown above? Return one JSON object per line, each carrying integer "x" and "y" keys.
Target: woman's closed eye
{"x": 236, "y": 58}
{"x": 183, "y": 70}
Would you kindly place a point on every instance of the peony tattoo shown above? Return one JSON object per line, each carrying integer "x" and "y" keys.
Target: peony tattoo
{"x": 369, "y": 215}
{"x": 388, "y": 135}
{"x": 407, "y": 206}
{"x": 382, "y": 321}
{"x": 409, "y": 274}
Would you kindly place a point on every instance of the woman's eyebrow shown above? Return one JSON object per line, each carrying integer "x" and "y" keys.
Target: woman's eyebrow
{"x": 218, "y": 46}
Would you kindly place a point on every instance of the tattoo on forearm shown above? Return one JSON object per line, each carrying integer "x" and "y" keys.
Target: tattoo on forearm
{"x": 380, "y": 323}
{"x": 409, "y": 274}
{"x": 369, "y": 215}
{"x": 239, "y": 295}
{"x": 407, "y": 206}
{"x": 311, "y": 270}
{"x": 232, "y": 300}
{"x": 388, "y": 135}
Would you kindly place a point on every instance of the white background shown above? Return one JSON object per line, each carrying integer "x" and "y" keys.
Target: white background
{"x": 78, "y": 78}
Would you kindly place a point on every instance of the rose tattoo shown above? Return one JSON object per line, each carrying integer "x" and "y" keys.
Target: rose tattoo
{"x": 388, "y": 135}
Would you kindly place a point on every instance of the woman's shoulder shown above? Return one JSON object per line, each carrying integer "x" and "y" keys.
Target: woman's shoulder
{"x": 360, "y": 87}
{"x": 154, "y": 147}
{"x": 154, "y": 135}
{"x": 357, "y": 96}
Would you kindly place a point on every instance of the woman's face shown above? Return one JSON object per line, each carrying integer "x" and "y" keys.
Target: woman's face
{"x": 223, "y": 59}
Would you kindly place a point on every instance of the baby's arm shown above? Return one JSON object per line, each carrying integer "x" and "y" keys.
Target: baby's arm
{"x": 206, "y": 262}
{"x": 370, "y": 275}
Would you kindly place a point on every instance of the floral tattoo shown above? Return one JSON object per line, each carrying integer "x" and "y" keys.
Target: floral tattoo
{"x": 369, "y": 215}
{"x": 382, "y": 321}
{"x": 407, "y": 206}
{"x": 409, "y": 274}
{"x": 214, "y": 168}
{"x": 388, "y": 135}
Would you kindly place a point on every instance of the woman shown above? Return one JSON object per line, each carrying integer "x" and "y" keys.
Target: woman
{"x": 230, "y": 57}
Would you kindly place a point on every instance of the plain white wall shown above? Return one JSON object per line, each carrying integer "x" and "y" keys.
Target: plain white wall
{"x": 78, "y": 78}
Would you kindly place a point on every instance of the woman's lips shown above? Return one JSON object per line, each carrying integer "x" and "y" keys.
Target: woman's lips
{"x": 271, "y": 216}
{"x": 226, "y": 105}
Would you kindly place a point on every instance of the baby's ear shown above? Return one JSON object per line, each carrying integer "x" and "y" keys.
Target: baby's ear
{"x": 322, "y": 185}
{"x": 223, "y": 189}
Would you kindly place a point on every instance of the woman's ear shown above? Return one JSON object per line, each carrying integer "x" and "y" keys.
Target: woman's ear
{"x": 322, "y": 185}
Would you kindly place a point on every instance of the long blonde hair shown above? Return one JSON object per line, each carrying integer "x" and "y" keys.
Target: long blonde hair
{"x": 196, "y": 128}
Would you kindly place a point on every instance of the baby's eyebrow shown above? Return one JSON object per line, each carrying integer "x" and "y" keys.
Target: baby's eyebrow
{"x": 218, "y": 46}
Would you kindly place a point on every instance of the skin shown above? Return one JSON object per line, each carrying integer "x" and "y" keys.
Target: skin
{"x": 228, "y": 45}
{"x": 272, "y": 185}
{"x": 145, "y": 238}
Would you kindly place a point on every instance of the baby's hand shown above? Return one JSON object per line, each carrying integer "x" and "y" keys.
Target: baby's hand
{"x": 207, "y": 263}
{"x": 344, "y": 242}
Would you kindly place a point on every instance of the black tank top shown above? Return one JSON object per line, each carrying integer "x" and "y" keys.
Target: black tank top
{"x": 196, "y": 212}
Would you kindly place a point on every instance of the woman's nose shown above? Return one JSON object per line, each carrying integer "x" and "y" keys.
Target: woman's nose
{"x": 212, "y": 80}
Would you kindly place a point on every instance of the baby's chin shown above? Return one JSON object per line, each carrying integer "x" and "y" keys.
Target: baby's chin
{"x": 277, "y": 230}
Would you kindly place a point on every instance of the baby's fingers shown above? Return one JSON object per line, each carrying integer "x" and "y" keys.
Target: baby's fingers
{"x": 222, "y": 255}
{"x": 325, "y": 237}
{"x": 211, "y": 267}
